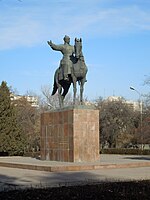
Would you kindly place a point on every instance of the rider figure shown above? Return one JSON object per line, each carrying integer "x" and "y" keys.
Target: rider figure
{"x": 67, "y": 50}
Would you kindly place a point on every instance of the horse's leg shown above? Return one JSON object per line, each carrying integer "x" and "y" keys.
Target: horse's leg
{"x": 74, "y": 90}
{"x": 62, "y": 101}
{"x": 82, "y": 89}
{"x": 66, "y": 89}
{"x": 60, "y": 96}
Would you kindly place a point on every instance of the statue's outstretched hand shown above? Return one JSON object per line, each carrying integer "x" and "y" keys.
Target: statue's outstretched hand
{"x": 49, "y": 42}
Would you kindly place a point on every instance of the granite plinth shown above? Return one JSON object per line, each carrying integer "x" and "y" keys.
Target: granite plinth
{"x": 70, "y": 135}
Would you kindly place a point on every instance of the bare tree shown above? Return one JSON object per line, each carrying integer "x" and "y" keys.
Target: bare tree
{"x": 116, "y": 123}
{"x": 48, "y": 102}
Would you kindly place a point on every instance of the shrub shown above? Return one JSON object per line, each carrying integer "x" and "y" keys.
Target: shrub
{"x": 125, "y": 151}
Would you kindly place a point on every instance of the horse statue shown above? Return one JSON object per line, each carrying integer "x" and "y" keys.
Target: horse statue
{"x": 78, "y": 74}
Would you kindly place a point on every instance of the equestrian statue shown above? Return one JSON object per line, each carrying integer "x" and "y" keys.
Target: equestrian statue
{"x": 72, "y": 69}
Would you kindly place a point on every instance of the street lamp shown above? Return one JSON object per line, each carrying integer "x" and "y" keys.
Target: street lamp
{"x": 141, "y": 113}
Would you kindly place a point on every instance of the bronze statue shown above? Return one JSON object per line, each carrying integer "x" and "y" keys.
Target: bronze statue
{"x": 72, "y": 69}
{"x": 66, "y": 63}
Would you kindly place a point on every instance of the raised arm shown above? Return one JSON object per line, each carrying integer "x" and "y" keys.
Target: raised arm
{"x": 54, "y": 46}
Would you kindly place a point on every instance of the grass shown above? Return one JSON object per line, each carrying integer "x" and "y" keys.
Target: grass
{"x": 133, "y": 190}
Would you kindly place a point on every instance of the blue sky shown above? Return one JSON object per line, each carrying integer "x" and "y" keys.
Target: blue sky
{"x": 116, "y": 43}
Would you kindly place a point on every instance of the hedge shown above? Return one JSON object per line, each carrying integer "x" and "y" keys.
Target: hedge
{"x": 125, "y": 151}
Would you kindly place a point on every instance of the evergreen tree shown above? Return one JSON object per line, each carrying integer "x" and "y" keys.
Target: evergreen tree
{"x": 11, "y": 139}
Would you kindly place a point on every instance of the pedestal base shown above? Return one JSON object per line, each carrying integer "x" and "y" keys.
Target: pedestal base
{"x": 70, "y": 135}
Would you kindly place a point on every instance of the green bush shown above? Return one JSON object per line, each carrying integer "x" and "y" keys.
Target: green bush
{"x": 32, "y": 154}
{"x": 125, "y": 151}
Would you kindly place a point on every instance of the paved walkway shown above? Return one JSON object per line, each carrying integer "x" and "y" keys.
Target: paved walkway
{"x": 105, "y": 161}
{"x": 11, "y": 178}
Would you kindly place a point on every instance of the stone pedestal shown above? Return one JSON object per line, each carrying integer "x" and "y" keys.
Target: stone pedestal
{"x": 70, "y": 135}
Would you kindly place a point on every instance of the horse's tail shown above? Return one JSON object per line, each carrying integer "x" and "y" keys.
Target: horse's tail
{"x": 55, "y": 87}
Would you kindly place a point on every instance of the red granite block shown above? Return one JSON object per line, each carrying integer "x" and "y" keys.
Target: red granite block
{"x": 47, "y": 155}
{"x": 50, "y": 142}
{"x": 66, "y": 130}
{"x": 60, "y": 130}
{"x": 66, "y": 155}
{"x": 80, "y": 115}
{"x": 55, "y": 130}
{"x": 43, "y": 154}
{"x": 50, "y": 153}
{"x": 61, "y": 145}
{"x": 71, "y": 143}
{"x": 56, "y": 118}
{"x": 75, "y": 116}
{"x": 65, "y": 117}
{"x": 50, "y": 130}
{"x": 70, "y": 116}
{"x": 42, "y": 142}
{"x": 70, "y": 129}
{"x": 55, "y": 155}
{"x": 66, "y": 146}
{"x": 61, "y": 118}
{"x": 43, "y": 131}
{"x": 73, "y": 136}
{"x": 92, "y": 115}
{"x": 47, "y": 118}
{"x": 71, "y": 158}
{"x": 61, "y": 155}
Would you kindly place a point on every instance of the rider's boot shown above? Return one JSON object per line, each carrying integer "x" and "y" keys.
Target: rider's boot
{"x": 66, "y": 77}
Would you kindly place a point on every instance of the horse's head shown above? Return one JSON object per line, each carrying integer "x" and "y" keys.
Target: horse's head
{"x": 78, "y": 47}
